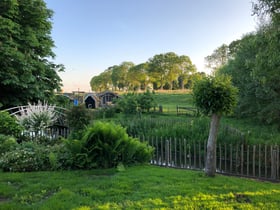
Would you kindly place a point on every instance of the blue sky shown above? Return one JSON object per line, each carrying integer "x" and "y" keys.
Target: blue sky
{"x": 92, "y": 35}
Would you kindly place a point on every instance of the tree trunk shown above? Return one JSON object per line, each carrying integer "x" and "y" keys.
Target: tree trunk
{"x": 210, "y": 167}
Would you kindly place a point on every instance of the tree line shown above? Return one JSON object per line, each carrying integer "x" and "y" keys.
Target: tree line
{"x": 253, "y": 62}
{"x": 163, "y": 71}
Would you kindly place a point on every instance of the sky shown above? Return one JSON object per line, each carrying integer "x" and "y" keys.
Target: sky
{"x": 92, "y": 35}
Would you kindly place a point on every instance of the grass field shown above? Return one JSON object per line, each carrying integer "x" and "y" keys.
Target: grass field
{"x": 138, "y": 187}
{"x": 253, "y": 131}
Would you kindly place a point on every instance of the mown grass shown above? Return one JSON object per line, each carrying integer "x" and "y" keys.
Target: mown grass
{"x": 138, "y": 187}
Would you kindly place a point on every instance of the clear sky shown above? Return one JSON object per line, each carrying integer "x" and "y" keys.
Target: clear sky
{"x": 92, "y": 35}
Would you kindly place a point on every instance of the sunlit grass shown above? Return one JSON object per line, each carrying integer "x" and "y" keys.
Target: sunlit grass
{"x": 140, "y": 187}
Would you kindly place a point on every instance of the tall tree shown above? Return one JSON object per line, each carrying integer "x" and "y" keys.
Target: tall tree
{"x": 164, "y": 68}
{"x": 119, "y": 75}
{"x": 255, "y": 69}
{"x": 218, "y": 58}
{"x": 138, "y": 76}
{"x": 26, "y": 72}
{"x": 214, "y": 96}
{"x": 186, "y": 70}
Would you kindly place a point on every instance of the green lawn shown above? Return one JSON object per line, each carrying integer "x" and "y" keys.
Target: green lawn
{"x": 138, "y": 187}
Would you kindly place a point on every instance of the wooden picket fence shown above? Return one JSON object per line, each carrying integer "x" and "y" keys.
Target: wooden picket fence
{"x": 255, "y": 161}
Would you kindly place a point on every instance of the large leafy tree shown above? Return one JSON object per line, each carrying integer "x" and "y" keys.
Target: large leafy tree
{"x": 119, "y": 74}
{"x": 218, "y": 58}
{"x": 163, "y": 68}
{"x": 186, "y": 70}
{"x": 255, "y": 68}
{"x": 26, "y": 72}
{"x": 102, "y": 81}
{"x": 138, "y": 77}
{"x": 214, "y": 96}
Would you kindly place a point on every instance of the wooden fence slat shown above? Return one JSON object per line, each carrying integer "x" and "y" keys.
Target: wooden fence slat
{"x": 242, "y": 158}
{"x": 185, "y": 153}
{"x": 230, "y": 156}
{"x": 248, "y": 160}
{"x": 254, "y": 159}
{"x": 260, "y": 163}
{"x": 225, "y": 159}
{"x": 265, "y": 161}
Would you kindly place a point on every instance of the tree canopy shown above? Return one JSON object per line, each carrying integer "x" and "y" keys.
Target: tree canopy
{"x": 27, "y": 73}
{"x": 163, "y": 71}
{"x": 255, "y": 66}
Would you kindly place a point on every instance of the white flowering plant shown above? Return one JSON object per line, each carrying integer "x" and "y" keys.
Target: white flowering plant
{"x": 36, "y": 118}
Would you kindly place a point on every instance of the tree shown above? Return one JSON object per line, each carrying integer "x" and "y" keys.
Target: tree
{"x": 102, "y": 81}
{"x": 186, "y": 70}
{"x": 138, "y": 76}
{"x": 26, "y": 73}
{"x": 214, "y": 96}
{"x": 163, "y": 68}
{"x": 119, "y": 75}
{"x": 255, "y": 68}
{"x": 218, "y": 58}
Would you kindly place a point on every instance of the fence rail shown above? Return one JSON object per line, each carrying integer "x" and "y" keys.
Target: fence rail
{"x": 256, "y": 161}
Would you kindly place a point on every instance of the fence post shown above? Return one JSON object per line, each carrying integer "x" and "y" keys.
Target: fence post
{"x": 242, "y": 158}
{"x": 166, "y": 153}
{"x": 273, "y": 162}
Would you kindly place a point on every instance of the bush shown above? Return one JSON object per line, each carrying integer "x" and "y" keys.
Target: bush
{"x": 9, "y": 125}
{"x": 28, "y": 156}
{"x": 107, "y": 144}
{"x": 7, "y": 143}
{"x": 78, "y": 117}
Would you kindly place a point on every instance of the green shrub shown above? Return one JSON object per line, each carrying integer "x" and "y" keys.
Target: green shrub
{"x": 146, "y": 101}
{"x": 7, "y": 143}
{"x": 27, "y": 156}
{"x": 9, "y": 125}
{"x": 78, "y": 117}
{"x": 128, "y": 103}
{"x": 108, "y": 144}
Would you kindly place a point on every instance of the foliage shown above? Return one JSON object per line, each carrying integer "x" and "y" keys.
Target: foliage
{"x": 36, "y": 118}
{"x": 7, "y": 143}
{"x": 107, "y": 144}
{"x": 27, "y": 156}
{"x": 128, "y": 103}
{"x": 138, "y": 187}
{"x": 105, "y": 112}
{"x": 132, "y": 103}
{"x": 119, "y": 75}
{"x": 9, "y": 125}
{"x": 146, "y": 101}
{"x": 27, "y": 74}
{"x": 218, "y": 58}
{"x": 255, "y": 71}
{"x": 215, "y": 95}
{"x": 165, "y": 71}
{"x": 78, "y": 117}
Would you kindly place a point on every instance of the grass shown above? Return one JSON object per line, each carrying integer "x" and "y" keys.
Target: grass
{"x": 138, "y": 187}
{"x": 253, "y": 132}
